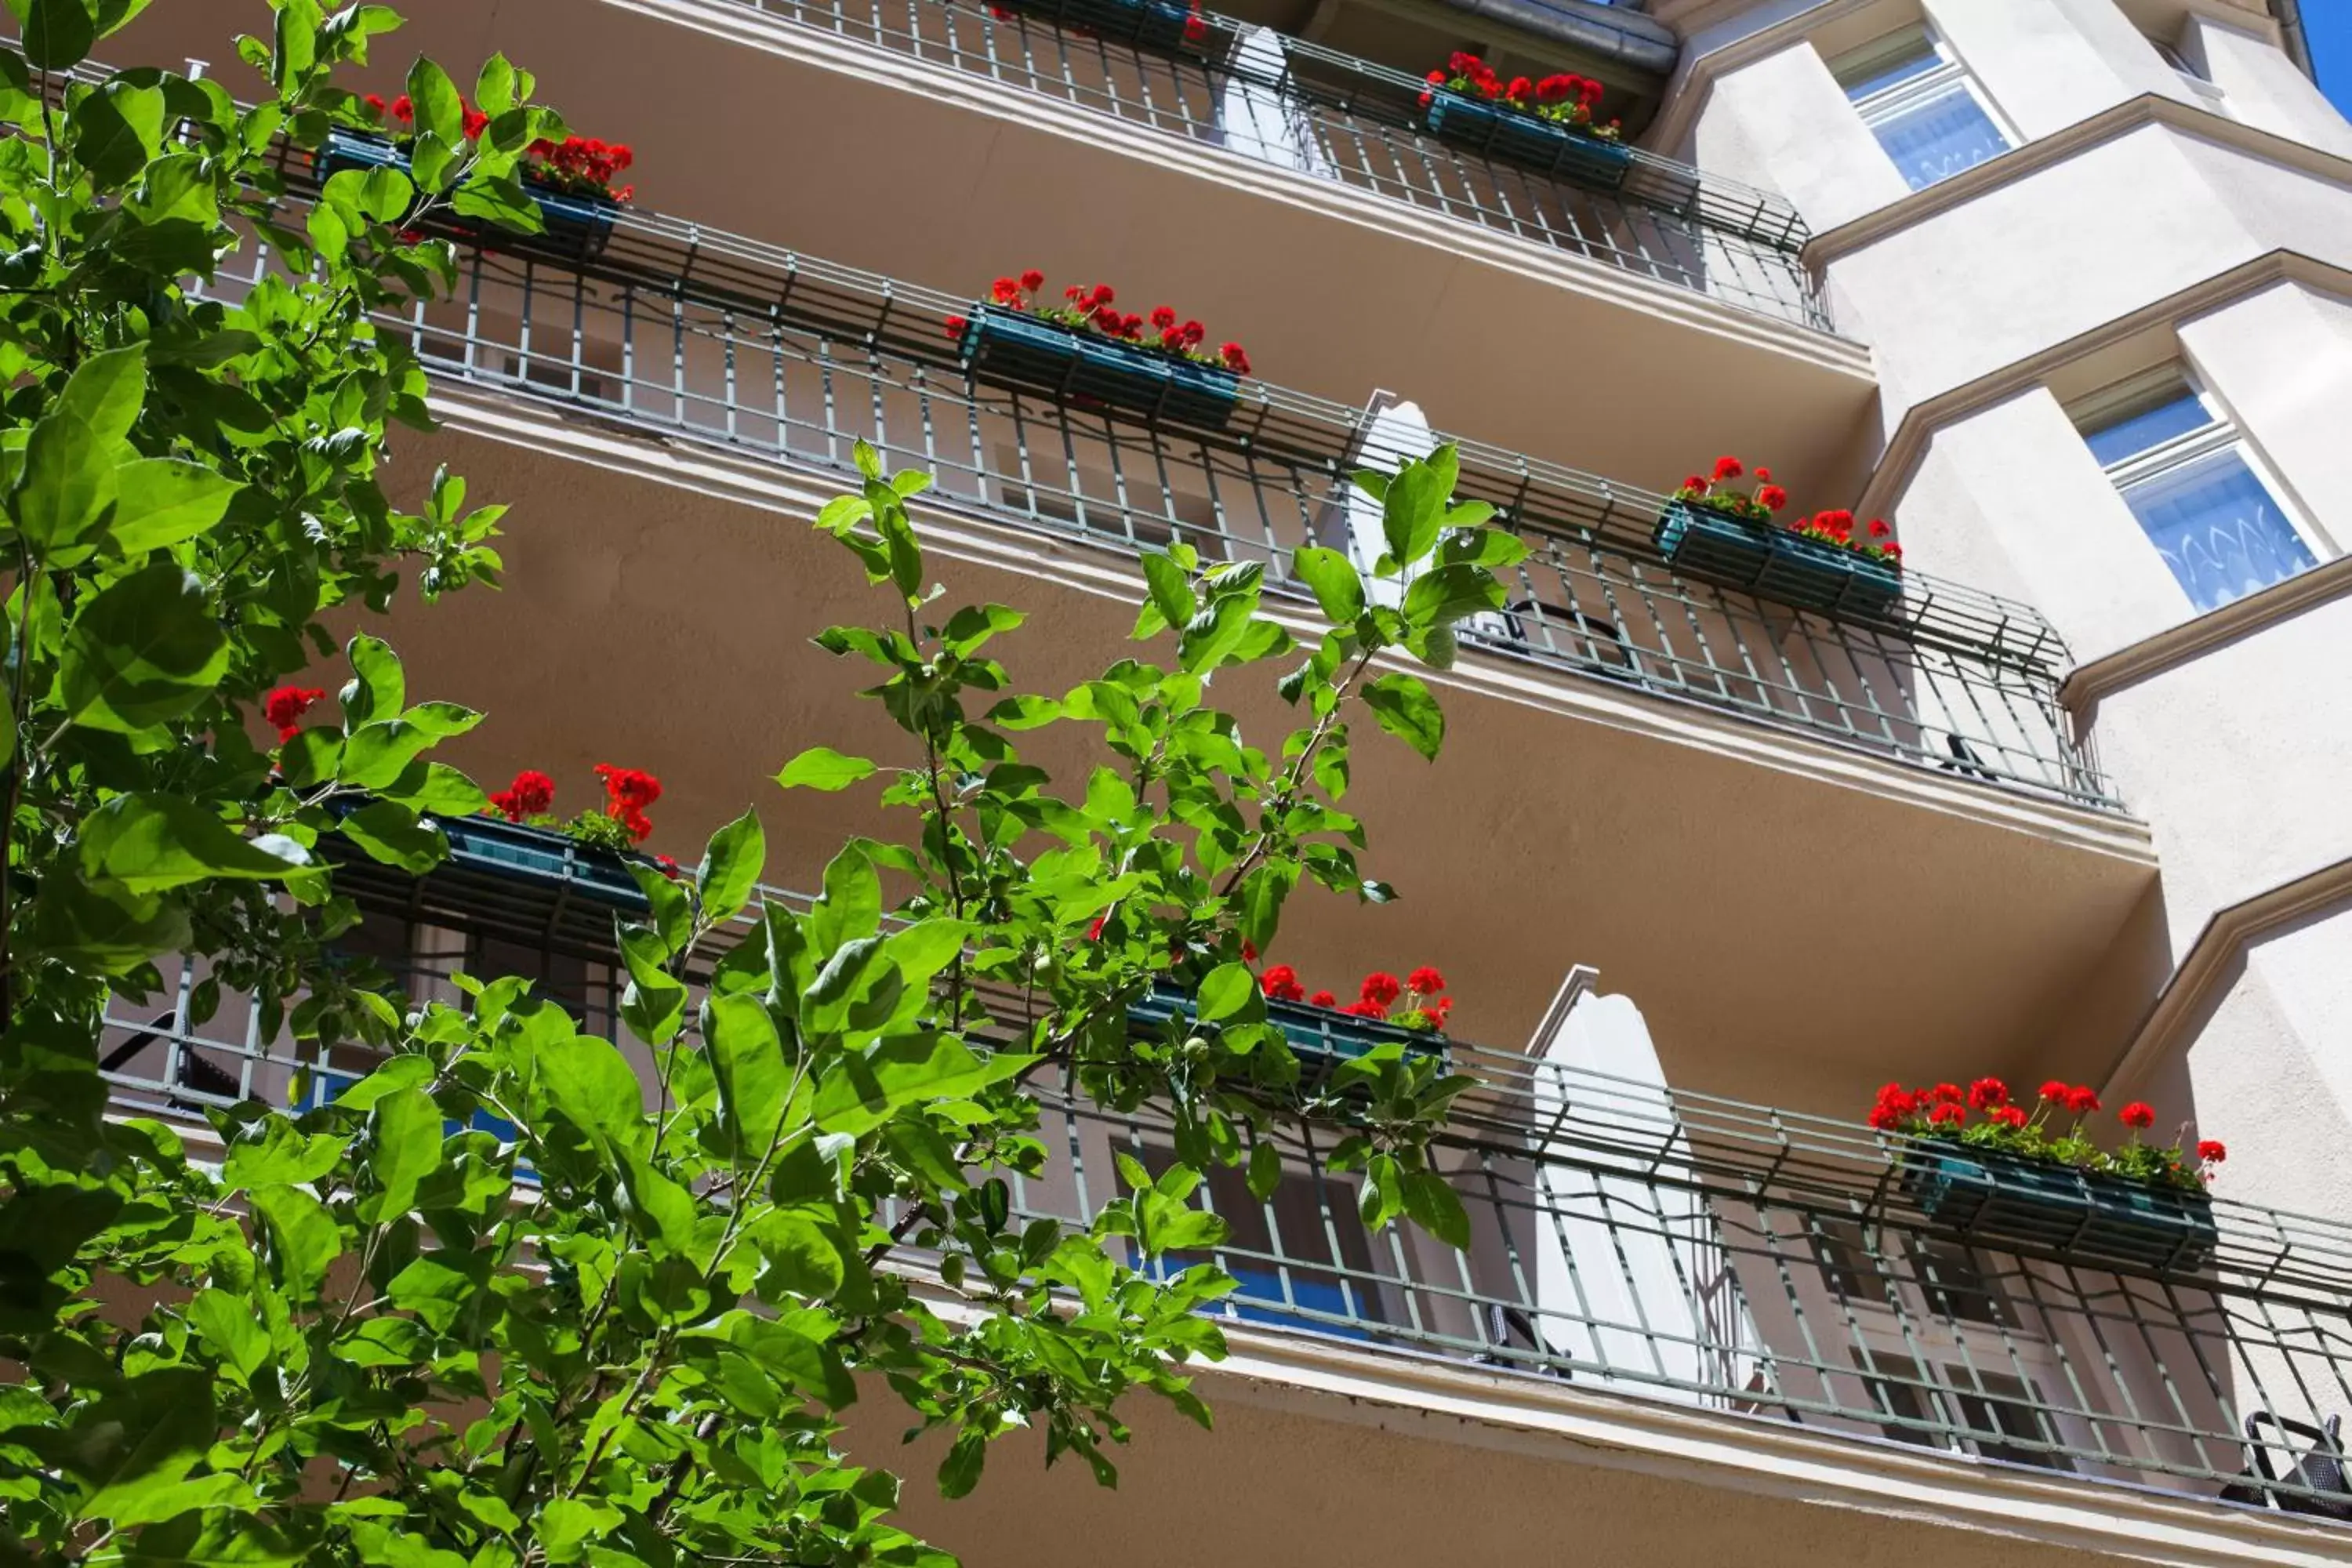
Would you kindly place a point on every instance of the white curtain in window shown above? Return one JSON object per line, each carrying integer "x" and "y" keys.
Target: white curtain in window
{"x": 1940, "y": 138}
{"x": 2219, "y": 529}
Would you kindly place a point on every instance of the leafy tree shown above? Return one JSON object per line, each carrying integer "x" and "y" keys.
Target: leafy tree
{"x": 523, "y": 1295}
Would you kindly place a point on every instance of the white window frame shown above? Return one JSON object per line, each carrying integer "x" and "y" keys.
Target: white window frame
{"x": 2218, "y": 435}
{"x": 2197, "y": 82}
{"x": 1890, "y": 103}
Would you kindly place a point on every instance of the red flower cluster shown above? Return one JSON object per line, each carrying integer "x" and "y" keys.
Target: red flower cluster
{"x": 1565, "y": 99}
{"x": 285, "y": 706}
{"x": 1096, "y": 310}
{"x": 627, "y": 792}
{"x": 532, "y": 793}
{"x": 2008, "y": 1128}
{"x": 582, "y": 165}
{"x": 1837, "y": 528}
{"x": 1416, "y": 1002}
{"x": 1714, "y": 489}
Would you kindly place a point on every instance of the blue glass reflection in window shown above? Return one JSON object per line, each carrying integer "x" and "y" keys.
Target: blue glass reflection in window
{"x": 2219, "y": 529}
{"x": 2146, "y": 428}
{"x": 1948, "y": 134}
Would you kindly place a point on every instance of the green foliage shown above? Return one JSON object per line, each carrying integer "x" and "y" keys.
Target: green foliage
{"x": 522, "y": 1295}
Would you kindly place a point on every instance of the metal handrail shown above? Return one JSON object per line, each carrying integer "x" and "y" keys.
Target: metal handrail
{"x": 1333, "y": 116}
{"x": 1633, "y": 1239}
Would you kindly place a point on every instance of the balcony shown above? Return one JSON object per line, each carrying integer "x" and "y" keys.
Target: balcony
{"x": 680, "y": 333}
{"x": 1274, "y": 189}
{"x": 1759, "y": 1270}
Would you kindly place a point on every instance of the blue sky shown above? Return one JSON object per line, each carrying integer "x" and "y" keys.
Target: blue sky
{"x": 2329, "y": 24}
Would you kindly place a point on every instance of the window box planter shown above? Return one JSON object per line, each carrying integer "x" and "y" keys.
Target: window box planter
{"x": 577, "y": 225}
{"x": 1157, "y": 26}
{"x": 1314, "y": 1034}
{"x": 1012, "y": 348}
{"x": 2000, "y": 1200}
{"x": 1774, "y": 563}
{"x": 1527, "y": 142}
{"x": 515, "y": 850}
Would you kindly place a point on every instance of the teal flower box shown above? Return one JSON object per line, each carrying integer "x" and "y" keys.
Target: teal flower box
{"x": 1157, "y": 26}
{"x": 519, "y": 852}
{"x": 1774, "y": 564}
{"x": 1319, "y": 1033}
{"x": 576, "y": 224}
{"x": 1527, "y": 142}
{"x": 1013, "y": 348}
{"x": 1997, "y": 1200}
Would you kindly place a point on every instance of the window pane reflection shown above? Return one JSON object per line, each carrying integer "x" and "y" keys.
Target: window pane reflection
{"x": 1940, "y": 138}
{"x": 2219, "y": 529}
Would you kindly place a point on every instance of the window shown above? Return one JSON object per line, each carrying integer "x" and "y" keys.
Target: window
{"x": 1918, "y": 100}
{"x": 2196, "y": 487}
{"x": 2194, "y": 78}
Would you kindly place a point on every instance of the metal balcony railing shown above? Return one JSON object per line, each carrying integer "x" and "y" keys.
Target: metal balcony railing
{"x": 1331, "y": 116}
{"x": 687, "y": 333}
{"x": 1629, "y": 1239}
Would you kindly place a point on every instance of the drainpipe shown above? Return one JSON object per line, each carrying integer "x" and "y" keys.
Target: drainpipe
{"x": 1639, "y": 43}
{"x": 2298, "y": 43}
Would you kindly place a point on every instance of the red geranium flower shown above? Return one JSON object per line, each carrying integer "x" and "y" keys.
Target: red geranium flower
{"x": 1987, "y": 1092}
{"x": 1695, "y": 482}
{"x": 1032, "y": 281}
{"x": 1948, "y": 1115}
{"x": 285, "y": 707}
{"x": 2139, "y": 1113}
{"x": 2212, "y": 1151}
{"x": 2009, "y": 1115}
{"x": 1948, "y": 1093}
{"x": 1372, "y": 1010}
{"x": 1763, "y": 475}
{"x": 1324, "y": 999}
{"x": 2081, "y": 1100}
{"x": 956, "y": 325}
{"x": 1281, "y": 983}
{"x": 2055, "y": 1090}
{"x": 1380, "y": 988}
{"x": 1878, "y": 529}
{"x": 1771, "y": 497}
{"x": 531, "y": 794}
{"x": 1425, "y": 980}
{"x": 1728, "y": 468}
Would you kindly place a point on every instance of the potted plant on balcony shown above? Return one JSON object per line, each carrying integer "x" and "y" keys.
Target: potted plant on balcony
{"x": 1549, "y": 125}
{"x": 1410, "y": 1013}
{"x": 1086, "y": 348}
{"x": 1162, "y": 26}
{"x": 1719, "y": 534}
{"x": 592, "y": 851}
{"x": 573, "y": 180}
{"x": 2007, "y": 1176}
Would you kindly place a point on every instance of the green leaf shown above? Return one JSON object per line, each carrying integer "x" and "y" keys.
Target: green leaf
{"x": 439, "y": 110}
{"x": 378, "y": 753}
{"x": 64, "y": 490}
{"x": 731, "y": 868}
{"x": 303, "y": 1236}
{"x": 161, "y": 501}
{"x": 435, "y": 788}
{"x": 960, "y": 1470}
{"x": 1406, "y": 710}
{"x": 228, "y": 1325}
{"x": 407, "y": 1149}
{"x": 1436, "y": 1208}
{"x": 800, "y": 1255}
{"x": 146, "y": 649}
{"x": 150, "y": 842}
{"x": 823, "y": 768}
{"x": 864, "y": 1090}
{"x": 1226, "y": 991}
{"x": 653, "y": 1006}
{"x": 391, "y": 834}
{"x": 852, "y": 905}
{"x": 494, "y": 87}
{"x": 1171, "y": 595}
{"x": 106, "y": 392}
{"x": 1261, "y": 893}
{"x": 1265, "y": 1171}
{"x": 1333, "y": 577}
{"x": 592, "y": 1085}
{"x": 378, "y": 687}
{"x": 1412, "y": 513}
{"x": 1445, "y": 594}
{"x": 56, "y": 33}
{"x": 747, "y": 1060}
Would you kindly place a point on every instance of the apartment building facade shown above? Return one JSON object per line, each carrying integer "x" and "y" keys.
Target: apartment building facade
{"x": 2055, "y": 287}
